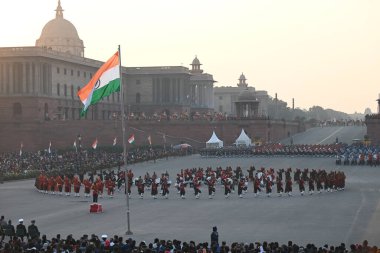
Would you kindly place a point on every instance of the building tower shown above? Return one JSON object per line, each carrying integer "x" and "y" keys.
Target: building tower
{"x": 242, "y": 81}
{"x": 61, "y": 35}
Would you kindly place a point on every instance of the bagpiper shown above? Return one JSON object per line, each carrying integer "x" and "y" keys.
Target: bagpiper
{"x": 77, "y": 185}
{"x": 280, "y": 188}
{"x": 140, "y": 187}
{"x": 67, "y": 183}
{"x": 197, "y": 187}
{"x": 211, "y": 185}
{"x": 154, "y": 188}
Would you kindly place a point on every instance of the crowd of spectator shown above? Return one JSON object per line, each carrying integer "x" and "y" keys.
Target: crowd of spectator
{"x": 17, "y": 241}
{"x": 78, "y": 161}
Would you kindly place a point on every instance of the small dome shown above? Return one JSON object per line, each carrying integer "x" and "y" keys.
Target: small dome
{"x": 247, "y": 95}
{"x": 196, "y": 61}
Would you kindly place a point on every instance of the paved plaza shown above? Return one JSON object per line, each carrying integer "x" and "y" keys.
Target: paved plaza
{"x": 348, "y": 216}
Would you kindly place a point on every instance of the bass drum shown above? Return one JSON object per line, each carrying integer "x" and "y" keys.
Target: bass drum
{"x": 158, "y": 180}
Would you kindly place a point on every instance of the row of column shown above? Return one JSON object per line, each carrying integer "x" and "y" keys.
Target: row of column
{"x": 166, "y": 90}
{"x": 25, "y": 78}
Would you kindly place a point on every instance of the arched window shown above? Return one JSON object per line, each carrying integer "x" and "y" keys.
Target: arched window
{"x": 17, "y": 109}
{"x": 138, "y": 98}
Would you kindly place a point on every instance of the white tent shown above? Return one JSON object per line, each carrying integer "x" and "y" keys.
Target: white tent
{"x": 214, "y": 142}
{"x": 243, "y": 139}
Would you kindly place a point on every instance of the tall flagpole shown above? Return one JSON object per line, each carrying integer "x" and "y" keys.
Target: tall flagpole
{"x": 123, "y": 126}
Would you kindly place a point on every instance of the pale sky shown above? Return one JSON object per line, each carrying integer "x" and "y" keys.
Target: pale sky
{"x": 319, "y": 52}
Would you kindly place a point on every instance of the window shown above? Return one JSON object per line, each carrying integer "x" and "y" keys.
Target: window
{"x": 90, "y": 75}
{"x": 138, "y": 98}
{"x": 65, "y": 90}
{"x": 58, "y": 89}
{"x": 72, "y": 91}
{"x": 138, "y": 82}
{"x": 78, "y": 73}
{"x": 58, "y": 70}
{"x": 84, "y": 74}
{"x": 72, "y": 72}
{"x": 65, "y": 71}
{"x": 220, "y": 108}
{"x": 220, "y": 97}
{"x": 17, "y": 109}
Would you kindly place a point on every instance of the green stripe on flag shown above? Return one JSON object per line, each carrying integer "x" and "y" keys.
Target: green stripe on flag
{"x": 105, "y": 91}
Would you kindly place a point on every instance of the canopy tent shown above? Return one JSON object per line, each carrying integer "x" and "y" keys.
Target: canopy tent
{"x": 214, "y": 142}
{"x": 243, "y": 139}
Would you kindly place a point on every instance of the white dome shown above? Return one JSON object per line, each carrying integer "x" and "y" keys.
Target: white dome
{"x": 61, "y": 35}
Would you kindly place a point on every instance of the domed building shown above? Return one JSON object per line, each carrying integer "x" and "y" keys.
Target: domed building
{"x": 247, "y": 106}
{"x": 40, "y": 82}
{"x": 228, "y": 98}
{"x": 61, "y": 35}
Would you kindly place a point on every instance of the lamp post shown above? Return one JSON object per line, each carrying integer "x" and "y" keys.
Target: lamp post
{"x": 79, "y": 151}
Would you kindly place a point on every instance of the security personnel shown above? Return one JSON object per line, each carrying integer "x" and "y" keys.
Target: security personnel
{"x": 33, "y": 231}
{"x": 21, "y": 230}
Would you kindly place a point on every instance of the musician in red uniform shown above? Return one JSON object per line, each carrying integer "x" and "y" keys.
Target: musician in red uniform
{"x": 197, "y": 187}
{"x": 165, "y": 187}
{"x": 87, "y": 187}
{"x": 95, "y": 192}
{"x": 288, "y": 187}
{"x": 52, "y": 185}
{"x": 268, "y": 185}
{"x": 227, "y": 187}
{"x": 154, "y": 190}
{"x": 301, "y": 185}
{"x": 256, "y": 186}
{"x": 77, "y": 184}
{"x": 129, "y": 181}
{"x": 140, "y": 187}
{"x": 67, "y": 183}
{"x": 59, "y": 182}
{"x": 100, "y": 185}
{"x": 182, "y": 189}
{"x": 280, "y": 188}
{"x": 211, "y": 185}
{"x": 110, "y": 184}
{"x": 241, "y": 187}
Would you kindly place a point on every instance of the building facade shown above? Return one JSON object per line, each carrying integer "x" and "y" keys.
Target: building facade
{"x": 225, "y": 97}
{"x": 41, "y": 82}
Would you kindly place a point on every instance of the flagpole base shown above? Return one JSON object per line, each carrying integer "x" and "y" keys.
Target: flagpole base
{"x": 129, "y": 232}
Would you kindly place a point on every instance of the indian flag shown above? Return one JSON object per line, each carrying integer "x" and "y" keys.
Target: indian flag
{"x": 105, "y": 81}
{"x": 95, "y": 143}
{"x": 131, "y": 139}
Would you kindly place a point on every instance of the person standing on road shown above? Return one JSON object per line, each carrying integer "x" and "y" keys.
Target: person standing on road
{"x": 214, "y": 236}
{"x": 33, "y": 231}
{"x": 21, "y": 230}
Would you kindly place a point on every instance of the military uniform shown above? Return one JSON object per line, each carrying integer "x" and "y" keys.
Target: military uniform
{"x": 21, "y": 230}
{"x": 33, "y": 231}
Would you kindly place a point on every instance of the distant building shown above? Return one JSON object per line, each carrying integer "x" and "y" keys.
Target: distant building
{"x": 41, "y": 82}
{"x": 225, "y": 97}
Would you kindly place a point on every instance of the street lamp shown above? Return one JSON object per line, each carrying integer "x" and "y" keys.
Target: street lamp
{"x": 79, "y": 137}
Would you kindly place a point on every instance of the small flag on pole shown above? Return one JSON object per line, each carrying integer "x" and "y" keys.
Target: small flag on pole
{"x": 164, "y": 137}
{"x": 150, "y": 140}
{"x": 21, "y": 146}
{"x": 95, "y": 143}
{"x": 114, "y": 142}
{"x": 75, "y": 145}
{"x": 131, "y": 139}
{"x": 49, "y": 150}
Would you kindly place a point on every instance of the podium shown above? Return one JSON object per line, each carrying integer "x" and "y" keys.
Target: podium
{"x": 96, "y": 208}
